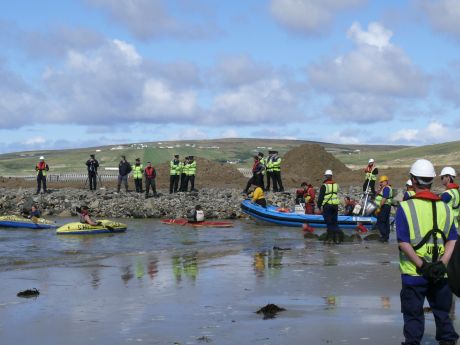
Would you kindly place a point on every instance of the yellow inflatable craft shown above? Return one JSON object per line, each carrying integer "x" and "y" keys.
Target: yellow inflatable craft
{"x": 105, "y": 227}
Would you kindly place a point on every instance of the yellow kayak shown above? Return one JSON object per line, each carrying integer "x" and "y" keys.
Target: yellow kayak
{"x": 21, "y": 222}
{"x": 77, "y": 228}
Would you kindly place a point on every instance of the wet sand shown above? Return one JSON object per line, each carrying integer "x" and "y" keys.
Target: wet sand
{"x": 160, "y": 284}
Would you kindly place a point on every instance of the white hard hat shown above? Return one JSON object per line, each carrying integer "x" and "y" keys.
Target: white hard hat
{"x": 328, "y": 172}
{"x": 409, "y": 182}
{"x": 41, "y": 157}
{"x": 422, "y": 168}
{"x": 371, "y": 160}
{"x": 448, "y": 171}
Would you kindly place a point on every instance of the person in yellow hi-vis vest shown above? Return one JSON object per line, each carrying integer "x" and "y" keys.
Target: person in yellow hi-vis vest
{"x": 426, "y": 236}
{"x": 138, "y": 172}
{"x": 451, "y": 195}
{"x": 328, "y": 203}
{"x": 174, "y": 172}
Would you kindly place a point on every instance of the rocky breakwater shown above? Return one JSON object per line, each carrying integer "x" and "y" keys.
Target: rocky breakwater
{"x": 217, "y": 203}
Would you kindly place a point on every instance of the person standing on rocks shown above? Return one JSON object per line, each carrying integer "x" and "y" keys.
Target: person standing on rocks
{"x": 92, "y": 164}
{"x": 426, "y": 235}
{"x": 269, "y": 170}
{"x": 41, "y": 168}
{"x": 451, "y": 195}
{"x": 256, "y": 172}
{"x": 124, "y": 168}
{"x": 262, "y": 161}
{"x": 328, "y": 203}
{"x": 183, "y": 174}
{"x": 150, "y": 175}
{"x": 370, "y": 176}
{"x": 174, "y": 172}
{"x": 191, "y": 173}
{"x": 138, "y": 171}
{"x": 276, "y": 168}
{"x": 383, "y": 200}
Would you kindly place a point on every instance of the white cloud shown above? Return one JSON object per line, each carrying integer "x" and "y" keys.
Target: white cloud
{"x": 342, "y": 137}
{"x": 434, "y": 132}
{"x": 150, "y": 19}
{"x": 229, "y": 133}
{"x": 369, "y": 82}
{"x": 444, "y": 15}
{"x": 37, "y": 140}
{"x": 239, "y": 70}
{"x": 190, "y": 133}
{"x": 376, "y": 35}
{"x": 309, "y": 16}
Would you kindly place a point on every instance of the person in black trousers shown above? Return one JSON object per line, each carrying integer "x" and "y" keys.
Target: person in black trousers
{"x": 257, "y": 169}
{"x": 124, "y": 168}
{"x": 92, "y": 164}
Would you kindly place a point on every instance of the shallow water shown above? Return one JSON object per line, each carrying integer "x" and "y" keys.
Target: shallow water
{"x": 167, "y": 284}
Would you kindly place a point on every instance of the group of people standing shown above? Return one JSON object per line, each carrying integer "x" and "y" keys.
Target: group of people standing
{"x": 181, "y": 173}
{"x": 266, "y": 172}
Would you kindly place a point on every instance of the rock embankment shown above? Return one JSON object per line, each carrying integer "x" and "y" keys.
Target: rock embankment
{"x": 217, "y": 203}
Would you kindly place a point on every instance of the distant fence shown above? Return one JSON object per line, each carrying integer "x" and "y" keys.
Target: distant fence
{"x": 70, "y": 177}
{"x": 247, "y": 172}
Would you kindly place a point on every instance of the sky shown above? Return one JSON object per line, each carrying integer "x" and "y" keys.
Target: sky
{"x": 79, "y": 73}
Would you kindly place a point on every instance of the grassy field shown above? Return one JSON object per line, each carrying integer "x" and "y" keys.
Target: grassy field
{"x": 238, "y": 151}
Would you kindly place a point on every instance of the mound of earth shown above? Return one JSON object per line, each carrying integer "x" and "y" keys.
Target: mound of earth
{"x": 208, "y": 174}
{"x": 307, "y": 163}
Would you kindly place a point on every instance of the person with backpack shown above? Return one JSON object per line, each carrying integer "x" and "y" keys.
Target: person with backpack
{"x": 426, "y": 235}
{"x": 92, "y": 164}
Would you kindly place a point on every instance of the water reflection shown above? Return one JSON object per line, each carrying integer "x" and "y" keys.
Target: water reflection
{"x": 127, "y": 274}
{"x": 270, "y": 260}
{"x": 331, "y": 302}
{"x": 185, "y": 265}
{"x": 140, "y": 271}
{"x": 385, "y": 302}
{"x": 152, "y": 268}
{"x": 95, "y": 277}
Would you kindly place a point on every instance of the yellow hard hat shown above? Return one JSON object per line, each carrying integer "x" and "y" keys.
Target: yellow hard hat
{"x": 383, "y": 178}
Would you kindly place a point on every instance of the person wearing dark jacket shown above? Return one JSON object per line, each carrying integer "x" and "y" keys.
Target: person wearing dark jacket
{"x": 124, "y": 168}
{"x": 256, "y": 179}
{"x": 150, "y": 174}
{"x": 92, "y": 164}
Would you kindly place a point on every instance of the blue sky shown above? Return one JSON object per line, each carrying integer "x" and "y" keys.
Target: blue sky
{"x": 78, "y": 73}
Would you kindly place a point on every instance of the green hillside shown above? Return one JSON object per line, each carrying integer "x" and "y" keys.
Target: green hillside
{"x": 237, "y": 151}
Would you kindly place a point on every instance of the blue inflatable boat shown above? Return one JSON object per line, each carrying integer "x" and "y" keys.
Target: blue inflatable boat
{"x": 275, "y": 215}
{"x": 24, "y": 223}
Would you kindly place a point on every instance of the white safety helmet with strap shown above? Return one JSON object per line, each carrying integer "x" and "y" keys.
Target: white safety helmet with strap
{"x": 423, "y": 168}
{"x": 42, "y": 158}
{"x": 409, "y": 183}
{"x": 328, "y": 173}
{"x": 371, "y": 160}
{"x": 448, "y": 171}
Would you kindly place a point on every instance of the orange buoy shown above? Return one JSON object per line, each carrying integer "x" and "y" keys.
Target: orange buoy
{"x": 307, "y": 228}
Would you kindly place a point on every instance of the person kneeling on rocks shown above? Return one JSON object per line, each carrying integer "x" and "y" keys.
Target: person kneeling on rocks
{"x": 85, "y": 218}
{"x": 197, "y": 215}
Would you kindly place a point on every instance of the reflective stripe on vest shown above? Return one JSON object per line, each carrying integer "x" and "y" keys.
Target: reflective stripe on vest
{"x": 330, "y": 196}
{"x": 454, "y": 203}
{"x": 370, "y": 176}
{"x": 192, "y": 168}
{"x": 379, "y": 197}
{"x": 419, "y": 215}
{"x": 174, "y": 168}
{"x": 137, "y": 171}
{"x": 276, "y": 164}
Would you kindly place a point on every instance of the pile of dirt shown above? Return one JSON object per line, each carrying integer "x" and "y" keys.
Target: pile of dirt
{"x": 307, "y": 163}
{"x": 208, "y": 174}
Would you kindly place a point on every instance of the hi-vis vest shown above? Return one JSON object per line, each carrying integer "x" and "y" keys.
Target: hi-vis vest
{"x": 174, "y": 168}
{"x": 369, "y": 175}
{"x": 379, "y": 197}
{"x": 422, "y": 216}
{"x": 41, "y": 168}
{"x": 191, "y": 169}
{"x": 137, "y": 171}
{"x": 276, "y": 164}
{"x": 330, "y": 196}
{"x": 454, "y": 203}
{"x": 264, "y": 162}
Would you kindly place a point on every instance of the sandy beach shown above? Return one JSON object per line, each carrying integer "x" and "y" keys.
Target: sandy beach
{"x": 163, "y": 284}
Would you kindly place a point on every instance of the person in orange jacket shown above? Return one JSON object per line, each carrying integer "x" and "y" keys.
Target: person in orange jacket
{"x": 41, "y": 168}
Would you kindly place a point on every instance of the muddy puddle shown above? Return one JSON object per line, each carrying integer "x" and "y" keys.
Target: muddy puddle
{"x": 162, "y": 284}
